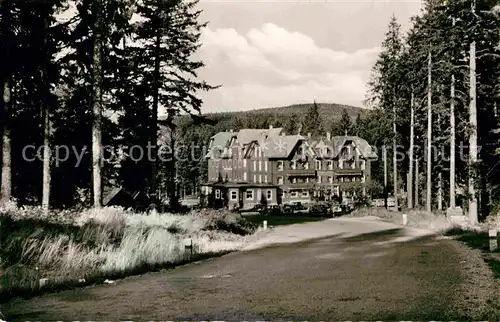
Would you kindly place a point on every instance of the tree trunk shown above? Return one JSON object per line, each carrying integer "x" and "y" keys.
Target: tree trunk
{"x": 156, "y": 93}
{"x": 46, "y": 117}
{"x": 416, "y": 183}
{"x": 96, "y": 104}
{"x": 452, "y": 141}
{"x": 394, "y": 156}
{"x": 6, "y": 108}
{"x": 6, "y": 144}
{"x": 440, "y": 174}
{"x": 409, "y": 184}
{"x": 452, "y": 145}
{"x": 384, "y": 156}
{"x": 174, "y": 201}
{"x": 429, "y": 135}
{"x": 440, "y": 191}
{"x": 473, "y": 204}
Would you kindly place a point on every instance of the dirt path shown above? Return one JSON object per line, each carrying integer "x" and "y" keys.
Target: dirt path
{"x": 357, "y": 269}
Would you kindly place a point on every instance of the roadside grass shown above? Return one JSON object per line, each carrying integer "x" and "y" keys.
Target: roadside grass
{"x": 478, "y": 239}
{"x": 282, "y": 220}
{"x": 87, "y": 247}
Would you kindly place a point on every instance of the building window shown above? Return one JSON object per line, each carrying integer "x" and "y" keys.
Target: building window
{"x": 318, "y": 165}
{"x": 294, "y": 180}
{"x": 293, "y": 165}
{"x": 330, "y": 165}
{"x": 234, "y": 195}
{"x": 254, "y": 178}
{"x": 260, "y": 165}
{"x": 306, "y": 165}
{"x": 244, "y": 176}
{"x": 254, "y": 165}
{"x": 265, "y": 165}
{"x": 217, "y": 194}
{"x": 249, "y": 195}
{"x": 363, "y": 165}
{"x": 244, "y": 163}
{"x": 265, "y": 179}
{"x": 305, "y": 193}
{"x": 260, "y": 178}
{"x": 280, "y": 180}
{"x": 294, "y": 194}
{"x": 269, "y": 194}
{"x": 341, "y": 164}
{"x": 330, "y": 179}
{"x": 280, "y": 165}
{"x": 319, "y": 179}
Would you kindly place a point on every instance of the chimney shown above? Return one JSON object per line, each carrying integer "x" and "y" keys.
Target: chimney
{"x": 270, "y": 127}
{"x": 328, "y": 136}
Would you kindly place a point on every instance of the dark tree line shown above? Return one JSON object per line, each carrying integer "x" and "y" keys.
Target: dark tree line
{"x": 84, "y": 75}
{"x": 437, "y": 89}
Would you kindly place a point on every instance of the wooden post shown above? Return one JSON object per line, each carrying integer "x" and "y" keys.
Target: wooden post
{"x": 492, "y": 234}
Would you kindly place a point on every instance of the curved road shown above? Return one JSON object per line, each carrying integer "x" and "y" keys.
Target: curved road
{"x": 364, "y": 270}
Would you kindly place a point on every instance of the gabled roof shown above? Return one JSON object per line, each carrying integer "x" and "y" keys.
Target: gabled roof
{"x": 275, "y": 145}
{"x": 217, "y": 144}
{"x": 364, "y": 148}
{"x": 281, "y": 146}
{"x": 336, "y": 143}
{"x": 246, "y": 136}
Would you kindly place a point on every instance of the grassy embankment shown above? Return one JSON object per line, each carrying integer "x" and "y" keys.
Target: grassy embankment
{"x": 74, "y": 249}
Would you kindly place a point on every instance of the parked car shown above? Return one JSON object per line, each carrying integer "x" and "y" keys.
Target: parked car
{"x": 378, "y": 202}
{"x": 299, "y": 208}
{"x": 337, "y": 210}
{"x": 287, "y": 210}
{"x": 273, "y": 210}
{"x": 320, "y": 209}
{"x": 391, "y": 202}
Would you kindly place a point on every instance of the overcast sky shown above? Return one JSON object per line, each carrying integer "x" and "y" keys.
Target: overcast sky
{"x": 276, "y": 53}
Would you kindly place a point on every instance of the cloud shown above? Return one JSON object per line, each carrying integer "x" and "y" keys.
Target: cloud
{"x": 272, "y": 66}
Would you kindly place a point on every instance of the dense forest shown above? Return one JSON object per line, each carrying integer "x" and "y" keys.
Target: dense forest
{"x": 436, "y": 92}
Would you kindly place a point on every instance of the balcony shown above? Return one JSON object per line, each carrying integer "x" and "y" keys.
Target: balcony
{"x": 300, "y": 185}
{"x": 354, "y": 172}
{"x": 301, "y": 173}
